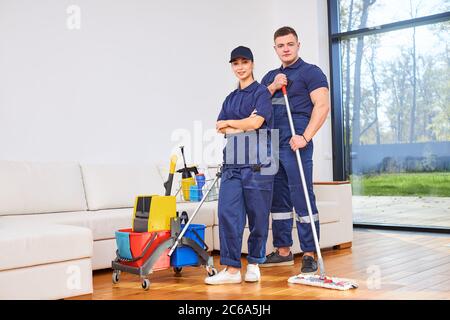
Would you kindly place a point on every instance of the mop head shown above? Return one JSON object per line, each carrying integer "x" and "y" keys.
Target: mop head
{"x": 324, "y": 282}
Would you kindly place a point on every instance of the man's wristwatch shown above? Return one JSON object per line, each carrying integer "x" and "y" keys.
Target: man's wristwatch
{"x": 305, "y": 139}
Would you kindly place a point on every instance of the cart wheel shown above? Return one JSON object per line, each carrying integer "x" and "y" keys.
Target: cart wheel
{"x": 177, "y": 271}
{"x": 211, "y": 271}
{"x": 115, "y": 276}
{"x": 145, "y": 284}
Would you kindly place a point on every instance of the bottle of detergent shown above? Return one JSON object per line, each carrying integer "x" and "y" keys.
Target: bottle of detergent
{"x": 200, "y": 178}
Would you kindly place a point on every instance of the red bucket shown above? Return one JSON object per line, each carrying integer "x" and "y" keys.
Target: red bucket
{"x": 138, "y": 242}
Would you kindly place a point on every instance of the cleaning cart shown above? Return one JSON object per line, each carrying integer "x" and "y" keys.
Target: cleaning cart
{"x": 145, "y": 250}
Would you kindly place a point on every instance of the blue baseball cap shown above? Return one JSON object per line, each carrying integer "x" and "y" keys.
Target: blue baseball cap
{"x": 241, "y": 52}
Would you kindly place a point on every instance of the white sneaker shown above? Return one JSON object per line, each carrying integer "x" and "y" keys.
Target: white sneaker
{"x": 253, "y": 274}
{"x": 224, "y": 277}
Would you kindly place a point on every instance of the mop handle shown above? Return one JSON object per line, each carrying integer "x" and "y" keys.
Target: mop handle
{"x": 183, "y": 231}
{"x": 305, "y": 189}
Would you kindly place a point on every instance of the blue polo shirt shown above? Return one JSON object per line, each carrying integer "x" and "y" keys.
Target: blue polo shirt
{"x": 240, "y": 104}
{"x": 303, "y": 78}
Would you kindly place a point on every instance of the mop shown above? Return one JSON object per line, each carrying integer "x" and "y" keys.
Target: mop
{"x": 313, "y": 279}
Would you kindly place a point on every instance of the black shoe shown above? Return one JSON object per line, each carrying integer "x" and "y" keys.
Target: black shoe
{"x": 275, "y": 260}
{"x": 309, "y": 265}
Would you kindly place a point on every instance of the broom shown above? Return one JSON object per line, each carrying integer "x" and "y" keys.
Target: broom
{"x": 314, "y": 280}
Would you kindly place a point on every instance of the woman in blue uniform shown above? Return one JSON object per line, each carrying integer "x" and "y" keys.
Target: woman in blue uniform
{"x": 246, "y": 188}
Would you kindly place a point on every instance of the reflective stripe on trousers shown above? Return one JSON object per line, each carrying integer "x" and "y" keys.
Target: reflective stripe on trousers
{"x": 306, "y": 219}
{"x": 282, "y": 215}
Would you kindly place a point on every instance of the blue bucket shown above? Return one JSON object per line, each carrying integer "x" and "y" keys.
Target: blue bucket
{"x": 123, "y": 244}
{"x": 186, "y": 256}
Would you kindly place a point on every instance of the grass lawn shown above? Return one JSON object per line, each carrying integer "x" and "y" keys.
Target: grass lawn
{"x": 403, "y": 184}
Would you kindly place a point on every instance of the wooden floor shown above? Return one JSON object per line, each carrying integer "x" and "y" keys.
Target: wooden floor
{"x": 386, "y": 264}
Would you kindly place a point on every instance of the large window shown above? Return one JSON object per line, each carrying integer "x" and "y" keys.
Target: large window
{"x": 391, "y": 108}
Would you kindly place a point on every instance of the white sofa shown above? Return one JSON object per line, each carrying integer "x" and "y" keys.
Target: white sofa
{"x": 57, "y": 222}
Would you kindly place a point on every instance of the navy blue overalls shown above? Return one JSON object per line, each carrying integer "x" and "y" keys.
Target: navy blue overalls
{"x": 303, "y": 78}
{"x": 244, "y": 189}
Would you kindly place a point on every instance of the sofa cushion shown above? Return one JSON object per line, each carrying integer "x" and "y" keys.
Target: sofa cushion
{"x": 27, "y": 187}
{"x": 29, "y": 245}
{"x": 204, "y": 216}
{"x": 78, "y": 219}
{"x": 111, "y": 186}
{"x": 103, "y": 223}
{"x": 328, "y": 211}
{"x": 58, "y": 280}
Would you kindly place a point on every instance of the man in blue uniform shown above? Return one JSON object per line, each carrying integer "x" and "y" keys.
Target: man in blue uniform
{"x": 307, "y": 90}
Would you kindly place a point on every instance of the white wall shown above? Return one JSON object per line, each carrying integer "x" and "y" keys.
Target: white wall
{"x": 139, "y": 77}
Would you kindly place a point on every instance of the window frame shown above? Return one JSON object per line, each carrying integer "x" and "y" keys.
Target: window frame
{"x": 340, "y": 167}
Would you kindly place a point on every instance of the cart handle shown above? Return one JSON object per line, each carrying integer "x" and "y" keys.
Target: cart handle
{"x": 205, "y": 246}
{"x": 193, "y": 215}
{"x": 185, "y": 218}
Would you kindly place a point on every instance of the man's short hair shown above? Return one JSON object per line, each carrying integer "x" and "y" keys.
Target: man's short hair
{"x": 284, "y": 31}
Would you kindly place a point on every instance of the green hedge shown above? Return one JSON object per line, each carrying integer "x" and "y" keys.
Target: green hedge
{"x": 402, "y": 184}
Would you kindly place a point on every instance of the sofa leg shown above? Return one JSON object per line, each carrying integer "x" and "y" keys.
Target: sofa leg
{"x": 341, "y": 246}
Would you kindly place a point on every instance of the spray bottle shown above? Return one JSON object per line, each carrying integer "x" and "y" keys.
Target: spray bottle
{"x": 187, "y": 180}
